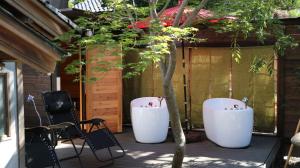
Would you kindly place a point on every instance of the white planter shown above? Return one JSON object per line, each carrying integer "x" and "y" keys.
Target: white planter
{"x": 150, "y": 123}
{"x": 227, "y": 122}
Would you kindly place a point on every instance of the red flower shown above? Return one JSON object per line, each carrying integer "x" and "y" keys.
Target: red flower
{"x": 214, "y": 20}
{"x": 150, "y": 104}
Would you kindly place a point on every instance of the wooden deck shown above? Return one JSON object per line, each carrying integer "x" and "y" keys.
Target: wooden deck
{"x": 203, "y": 154}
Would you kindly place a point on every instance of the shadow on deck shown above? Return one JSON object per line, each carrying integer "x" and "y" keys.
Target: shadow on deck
{"x": 203, "y": 154}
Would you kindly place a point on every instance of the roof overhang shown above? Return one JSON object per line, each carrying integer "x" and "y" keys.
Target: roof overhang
{"x": 291, "y": 21}
{"x": 42, "y": 15}
{"x": 22, "y": 44}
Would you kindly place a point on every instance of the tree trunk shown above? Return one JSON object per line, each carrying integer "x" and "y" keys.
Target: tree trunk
{"x": 176, "y": 126}
{"x": 167, "y": 74}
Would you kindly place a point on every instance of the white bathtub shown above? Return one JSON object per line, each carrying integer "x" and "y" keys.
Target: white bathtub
{"x": 150, "y": 123}
{"x": 226, "y": 125}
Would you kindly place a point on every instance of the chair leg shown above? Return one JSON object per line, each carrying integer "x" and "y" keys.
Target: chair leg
{"x": 82, "y": 147}
{"x": 77, "y": 154}
{"x": 110, "y": 152}
{"x": 58, "y": 164}
{"x": 56, "y": 160}
{"x": 109, "y": 161}
{"x": 289, "y": 156}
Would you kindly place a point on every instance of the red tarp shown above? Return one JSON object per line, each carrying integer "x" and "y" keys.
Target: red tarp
{"x": 168, "y": 16}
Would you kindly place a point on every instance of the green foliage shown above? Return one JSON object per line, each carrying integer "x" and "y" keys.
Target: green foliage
{"x": 257, "y": 64}
{"x": 157, "y": 45}
{"x": 294, "y": 13}
{"x": 236, "y": 51}
{"x": 74, "y": 67}
{"x": 110, "y": 28}
{"x": 283, "y": 42}
{"x": 253, "y": 18}
{"x": 71, "y": 3}
{"x": 288, "y": 4}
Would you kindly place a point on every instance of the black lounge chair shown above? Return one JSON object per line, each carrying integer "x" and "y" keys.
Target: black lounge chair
{"x": 39, "y": 151}
{"x": 60, "y": 109}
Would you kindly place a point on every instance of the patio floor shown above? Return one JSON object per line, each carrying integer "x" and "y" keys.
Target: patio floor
{"x": 204, "y": 154}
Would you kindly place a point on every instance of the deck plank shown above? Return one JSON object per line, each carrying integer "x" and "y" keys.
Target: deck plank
{"x": 205, "y": 154}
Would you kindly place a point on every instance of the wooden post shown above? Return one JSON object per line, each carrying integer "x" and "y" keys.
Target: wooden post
{"x": 80, "y": 87}
{"x": 185, "y": 89}
{"x": 189, "y": 87}
{"x": 20, "y": 116}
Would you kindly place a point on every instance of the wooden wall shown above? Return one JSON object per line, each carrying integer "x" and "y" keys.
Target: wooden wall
{"x": 290, "y": 86}
{"x": 35, "y": 83}
{"x": 69, "y": 84}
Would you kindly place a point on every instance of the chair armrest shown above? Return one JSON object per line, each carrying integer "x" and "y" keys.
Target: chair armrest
{"x": 62, "y": 125}
{"x": 38, "y": 129}
{"x": 95, "y": 121}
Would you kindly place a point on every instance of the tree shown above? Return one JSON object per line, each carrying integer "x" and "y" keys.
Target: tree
{"x": 249, "y": 17}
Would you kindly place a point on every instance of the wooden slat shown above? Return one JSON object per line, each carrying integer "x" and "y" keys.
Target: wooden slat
{"x": 104, "y": 110}
{"x": 104, "y": 104}
{"x": 105, "y": 96}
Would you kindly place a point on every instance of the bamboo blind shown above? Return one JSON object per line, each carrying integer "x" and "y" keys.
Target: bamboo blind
{"x": 213, "y": 73}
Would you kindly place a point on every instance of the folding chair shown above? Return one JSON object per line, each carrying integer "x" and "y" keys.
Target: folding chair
{"x": 295, "y": 141}
{"x": 60, "y": 108}
{"x": 39, "y": 151}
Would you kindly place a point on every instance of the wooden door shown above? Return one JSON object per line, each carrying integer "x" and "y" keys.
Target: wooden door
{"x": 104, "y": 86}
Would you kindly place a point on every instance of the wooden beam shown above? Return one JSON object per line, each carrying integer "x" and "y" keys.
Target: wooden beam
{"x": 5, "y": 57}
{"x": 30, "y": 60}
{"x": 41, "y": 15}
{"x": 8, "y": 25}
{"x": 21, "y": 44}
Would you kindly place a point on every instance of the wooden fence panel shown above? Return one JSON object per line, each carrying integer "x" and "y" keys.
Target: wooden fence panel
{"x": 104, "y": 96}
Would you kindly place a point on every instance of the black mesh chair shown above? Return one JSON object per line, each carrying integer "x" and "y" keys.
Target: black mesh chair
{"x": 39, "y": 151}
{"x": 60, "y": 109}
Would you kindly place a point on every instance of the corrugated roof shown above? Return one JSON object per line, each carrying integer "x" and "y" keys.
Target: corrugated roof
{"x": 91, "y": 6}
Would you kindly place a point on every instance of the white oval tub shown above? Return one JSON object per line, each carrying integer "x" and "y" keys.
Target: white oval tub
{"x": 150, "y": 124}
{"x": 227, "y": 122}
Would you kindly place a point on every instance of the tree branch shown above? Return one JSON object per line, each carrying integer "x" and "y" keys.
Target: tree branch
{"x": 164, "y": 8}
{"x": 131, "y": 19}
{"x": 179, "y": 13}
{"x": 130, "y": 16}
{"x": 163, "y": 68}
{"x": 153, "y": 12}
{"x": 171, "y": 64}
{"x": 194, "y": 13}
{"x": 135, "y": 13}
